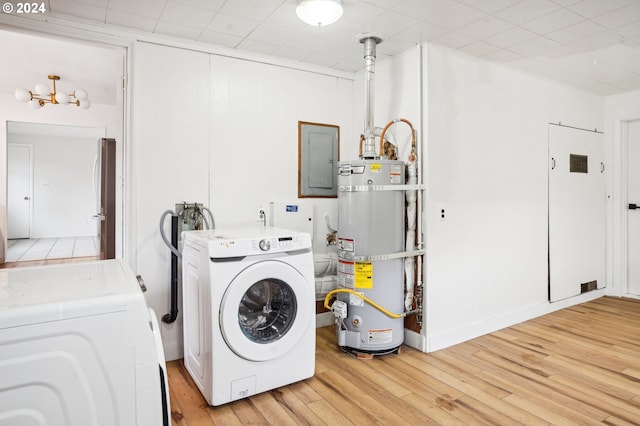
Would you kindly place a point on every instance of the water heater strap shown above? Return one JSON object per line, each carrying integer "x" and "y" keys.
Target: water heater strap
{"x": 377, "y": 257}
{"x": 370, "y": 188}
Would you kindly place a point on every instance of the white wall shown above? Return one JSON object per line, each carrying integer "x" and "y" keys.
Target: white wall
{"x": 64, "y": 197}
{"x": 617, "y": 110}
{"x": 254, "y": 136}
{"x": 168, "y": 162}
{"x": 226, "y": 137}
{"x": 10, "y": 110}
{"x": 486, "y": 263}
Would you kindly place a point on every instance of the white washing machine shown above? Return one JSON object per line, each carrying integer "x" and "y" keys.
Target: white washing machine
{"x": 249, "y": 310}
{"x": 79, "y": 347}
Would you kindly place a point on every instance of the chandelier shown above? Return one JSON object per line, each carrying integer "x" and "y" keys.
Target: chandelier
{"x": 41, "y": 96}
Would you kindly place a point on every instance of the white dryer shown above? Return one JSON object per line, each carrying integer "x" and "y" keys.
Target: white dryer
{"x": 249, "y": 310}
{"x": 79, "y": 347}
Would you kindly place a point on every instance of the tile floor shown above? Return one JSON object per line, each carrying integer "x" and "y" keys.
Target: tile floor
{"x": 51, "y": 248}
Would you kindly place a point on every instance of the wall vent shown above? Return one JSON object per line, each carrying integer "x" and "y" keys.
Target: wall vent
{"x": 591, "y": 285}
{"x": 578, "y": 163}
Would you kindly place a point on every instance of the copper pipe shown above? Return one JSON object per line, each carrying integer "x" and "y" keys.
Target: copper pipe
{"x": 413, "y": 134}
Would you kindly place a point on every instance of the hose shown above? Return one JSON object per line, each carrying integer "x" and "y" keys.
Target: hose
{"x": 163, "y": 235}
{"x": 366, "y": 299}
{"x": 213, "y": 224}
{"x": 326, "y": 221}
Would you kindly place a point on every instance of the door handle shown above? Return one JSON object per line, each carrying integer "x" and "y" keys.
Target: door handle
{"x": 27, "y": 198}
{"x": 100, "y": 216}
{"x": 633, "y": 207}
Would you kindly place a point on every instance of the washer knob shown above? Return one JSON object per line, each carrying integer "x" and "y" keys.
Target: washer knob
{"x": 264, "y": 245}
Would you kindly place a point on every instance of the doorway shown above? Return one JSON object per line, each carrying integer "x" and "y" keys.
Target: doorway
{"x": 19, "y": 187}
{"x": 53, "y": 191}
{"x": 631, "y": 141}
{"x": 97, "y": 66}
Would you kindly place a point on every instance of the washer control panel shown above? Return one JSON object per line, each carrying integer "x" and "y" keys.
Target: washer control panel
{"x": 276, "y": 244}
{"x": 246, "y": 242}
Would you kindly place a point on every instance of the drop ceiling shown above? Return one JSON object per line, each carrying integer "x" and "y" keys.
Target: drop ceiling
{"x": 591, "y": 44}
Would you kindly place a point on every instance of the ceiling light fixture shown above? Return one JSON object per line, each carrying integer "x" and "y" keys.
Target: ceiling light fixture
{"x": 319, "y": 12}
{"x": 41, "y": 96}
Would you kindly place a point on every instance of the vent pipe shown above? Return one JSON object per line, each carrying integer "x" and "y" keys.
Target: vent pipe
{"x": 370, "y": 41}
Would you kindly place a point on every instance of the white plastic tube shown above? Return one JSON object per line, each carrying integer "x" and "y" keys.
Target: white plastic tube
{"x": 410, "y": 244}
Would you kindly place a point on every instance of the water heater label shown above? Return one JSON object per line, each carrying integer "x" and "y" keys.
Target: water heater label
{"x": 345, "y": 274}
{"x": 379, "y": 337}
{"x": 363, "y": 274}
{"x": 345, "y": 244}
{"x": 395, "y": 175}
{"x": 375, "y": 167}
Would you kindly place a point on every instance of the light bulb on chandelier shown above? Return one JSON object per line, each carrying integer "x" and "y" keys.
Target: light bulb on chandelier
{"x": 41, "y": 96}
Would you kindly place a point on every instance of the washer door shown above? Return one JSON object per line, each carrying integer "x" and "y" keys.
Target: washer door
{"x": 265, "y": 310}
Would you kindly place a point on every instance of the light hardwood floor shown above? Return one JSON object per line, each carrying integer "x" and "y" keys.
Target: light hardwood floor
{"x": 577, "y": 366}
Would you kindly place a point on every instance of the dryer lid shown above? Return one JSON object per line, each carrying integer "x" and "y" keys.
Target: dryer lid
{"x": 266, "y": 310}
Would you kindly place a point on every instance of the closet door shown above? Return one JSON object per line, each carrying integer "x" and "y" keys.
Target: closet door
{"x": 19, "y": 189}
{"x": 576, "y": 212}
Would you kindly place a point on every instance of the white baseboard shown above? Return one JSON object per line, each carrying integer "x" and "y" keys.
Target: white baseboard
{"x": 461, "y": 334}
{"x": 415, "y": 340}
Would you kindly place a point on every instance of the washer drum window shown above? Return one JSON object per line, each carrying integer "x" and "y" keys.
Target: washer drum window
{"x": 267, "y": 310}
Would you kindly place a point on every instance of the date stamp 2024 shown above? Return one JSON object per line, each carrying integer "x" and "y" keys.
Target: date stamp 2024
{"x": 24, "y": 8}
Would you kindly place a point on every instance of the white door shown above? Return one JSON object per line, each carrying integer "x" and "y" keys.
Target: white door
{"x": 633, "y": 204}
{"x": 576, "y": 212}
{"x": 19, "y": 191}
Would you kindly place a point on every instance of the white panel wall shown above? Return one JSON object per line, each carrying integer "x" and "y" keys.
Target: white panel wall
{"x": 226, "y": 136}
{"x": 254, "y": 136}
{"x": 486, "y": 262}
{"x": 168, "y": 162}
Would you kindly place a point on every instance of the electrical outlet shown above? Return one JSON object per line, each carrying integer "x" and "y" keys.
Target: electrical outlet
{"x": 262, "y": 216}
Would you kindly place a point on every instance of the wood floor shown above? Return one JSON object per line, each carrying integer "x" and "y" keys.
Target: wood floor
{"x": 577, "y": 366}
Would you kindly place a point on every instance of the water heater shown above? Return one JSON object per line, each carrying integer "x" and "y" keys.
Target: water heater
{"x": 371, "y": 229}
{"x": 377, "y": 248}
